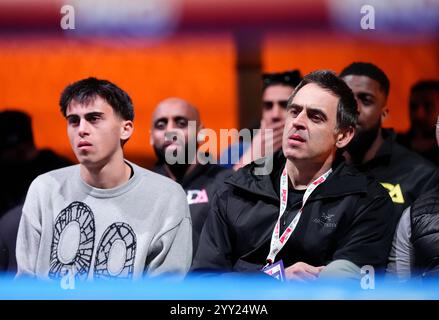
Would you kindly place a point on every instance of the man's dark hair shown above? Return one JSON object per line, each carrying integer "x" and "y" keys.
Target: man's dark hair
{"x": 86, "y": 90}
{"x": 347, "y": 112}
{"x": 288, "y": 78}
{"x": 425, "y": 85}
{"x": 15, "y": 128}
{"x": 369, "y": 70}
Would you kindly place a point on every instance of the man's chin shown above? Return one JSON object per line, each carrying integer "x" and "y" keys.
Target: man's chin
{"x": 87, "y": 162}
{"x": 293, "y": 155}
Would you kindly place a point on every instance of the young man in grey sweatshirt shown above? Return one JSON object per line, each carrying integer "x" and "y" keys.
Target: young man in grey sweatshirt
{"x": 106, "y": 217}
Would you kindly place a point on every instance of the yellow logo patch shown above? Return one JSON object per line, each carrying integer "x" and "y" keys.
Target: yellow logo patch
{"x": 394, "y": 192}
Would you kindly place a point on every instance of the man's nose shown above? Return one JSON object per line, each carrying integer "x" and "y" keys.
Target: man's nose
{"x": 359, "y": 105}
{"x": 83, "y": 128}
{"x": 300, "y": 120}
{"x": 170, "y": 126}
{"x": 276, "y": 113}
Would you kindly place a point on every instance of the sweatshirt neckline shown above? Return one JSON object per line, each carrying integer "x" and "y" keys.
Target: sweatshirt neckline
{"x": 111, "y": 192}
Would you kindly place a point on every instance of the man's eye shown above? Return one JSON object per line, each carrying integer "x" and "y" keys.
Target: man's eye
{"x": 316, "y": 118}
{"x": 283, "y": 104}
{"x": 267, "y": 105}
{"x": 366, "y": 102}
{"x": 72, "y": 121}
{"x": 160, "y": 125}
{"x": 182, "y": 124}
{"x": 294, "y": 111}
{"x": 428, "y": 107}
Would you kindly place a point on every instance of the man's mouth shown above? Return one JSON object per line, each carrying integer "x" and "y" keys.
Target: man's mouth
{"x": 297, "y": 137}
{"x": 84, "y": 144}
{"x": 169, "y": 143}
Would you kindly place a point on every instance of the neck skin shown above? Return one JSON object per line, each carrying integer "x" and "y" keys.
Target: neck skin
{"x": 370, "y": 153}
{"x": 302, "y": 173}
{"x": 109, "y": 175}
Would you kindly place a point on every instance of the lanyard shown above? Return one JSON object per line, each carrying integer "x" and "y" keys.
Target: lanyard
{"x": 277, "y": 242}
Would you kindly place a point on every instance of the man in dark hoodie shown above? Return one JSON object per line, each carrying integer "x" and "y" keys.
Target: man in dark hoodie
{"x": 311, "y": 209}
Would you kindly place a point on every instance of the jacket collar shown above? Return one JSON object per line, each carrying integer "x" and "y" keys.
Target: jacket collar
{"x": 344, "y": 180}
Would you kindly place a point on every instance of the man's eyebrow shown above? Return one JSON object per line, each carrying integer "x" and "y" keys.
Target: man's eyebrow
{"x": 365, "y": 93}
{"x": 181, "y": 118}
{"x": 317, "y": 111}
{"x": 295, "y": 105}
{"x": 94, "y": 113}
{"x": 88, "y": 114}
{"x": 160, "y": 119}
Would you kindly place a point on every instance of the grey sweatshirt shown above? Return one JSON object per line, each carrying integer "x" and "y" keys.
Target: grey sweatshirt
{"x": 68, "y": 227}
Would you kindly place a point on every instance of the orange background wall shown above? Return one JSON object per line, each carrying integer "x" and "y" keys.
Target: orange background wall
{"x": 34, "y": 72}
{"x": 404, "y": 63}
{"x": 199, "y": 68}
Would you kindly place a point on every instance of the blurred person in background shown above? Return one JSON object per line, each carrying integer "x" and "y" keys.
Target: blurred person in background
{"x": 20, "y": 163}
{"x": 200, "y": 181}
{"x": 20, "y": 160}
{"x": 424, "y": 108}
{"x": 415, "y": 248}
{"x": 276, "y": 89}
{"x": 405, "y": 174}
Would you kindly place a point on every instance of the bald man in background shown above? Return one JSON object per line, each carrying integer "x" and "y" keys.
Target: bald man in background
{"x": 200, "y": 181}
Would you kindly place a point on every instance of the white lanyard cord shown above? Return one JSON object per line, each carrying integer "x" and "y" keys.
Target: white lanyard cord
{"x": 277, "y": 242}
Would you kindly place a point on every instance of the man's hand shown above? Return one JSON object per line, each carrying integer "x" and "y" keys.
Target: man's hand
{"x": 263, "y": 141}
{"x": 301, "y": 271}
{"x": 276, "y": 139}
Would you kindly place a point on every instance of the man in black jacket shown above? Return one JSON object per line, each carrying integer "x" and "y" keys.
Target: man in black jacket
{"x": 405, "y": 174}
{"x": 173, "y": 116}
{"x": 311, "y": 209}
{"x": 415, "y": 248}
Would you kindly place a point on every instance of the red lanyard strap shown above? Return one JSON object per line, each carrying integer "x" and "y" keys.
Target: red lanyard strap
{"x": 277, "y": 242}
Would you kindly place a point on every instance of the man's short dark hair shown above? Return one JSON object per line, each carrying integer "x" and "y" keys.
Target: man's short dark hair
{"x": 347, "y": 113}
{"x": 369, "y": 70}
{"x": 86, "y": 90}
{"x": 288, "y": 78}
{"x": 426, "y": 85}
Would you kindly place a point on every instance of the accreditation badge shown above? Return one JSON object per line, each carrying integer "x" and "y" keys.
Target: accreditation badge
{"x": 276, "y": 270}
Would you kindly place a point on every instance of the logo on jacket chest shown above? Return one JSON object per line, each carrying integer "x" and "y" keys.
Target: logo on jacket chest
{"x": 326, "y": 220}
{"x": 395, "y": 192}
{"x": 197, "y": 196}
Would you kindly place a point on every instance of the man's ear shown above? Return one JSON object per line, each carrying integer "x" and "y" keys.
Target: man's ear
{"x": 344, "y": 137}
{"x": 384, "y": 113}
{"x": 126, "y": 130}
{"x": 151, "y": 141}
